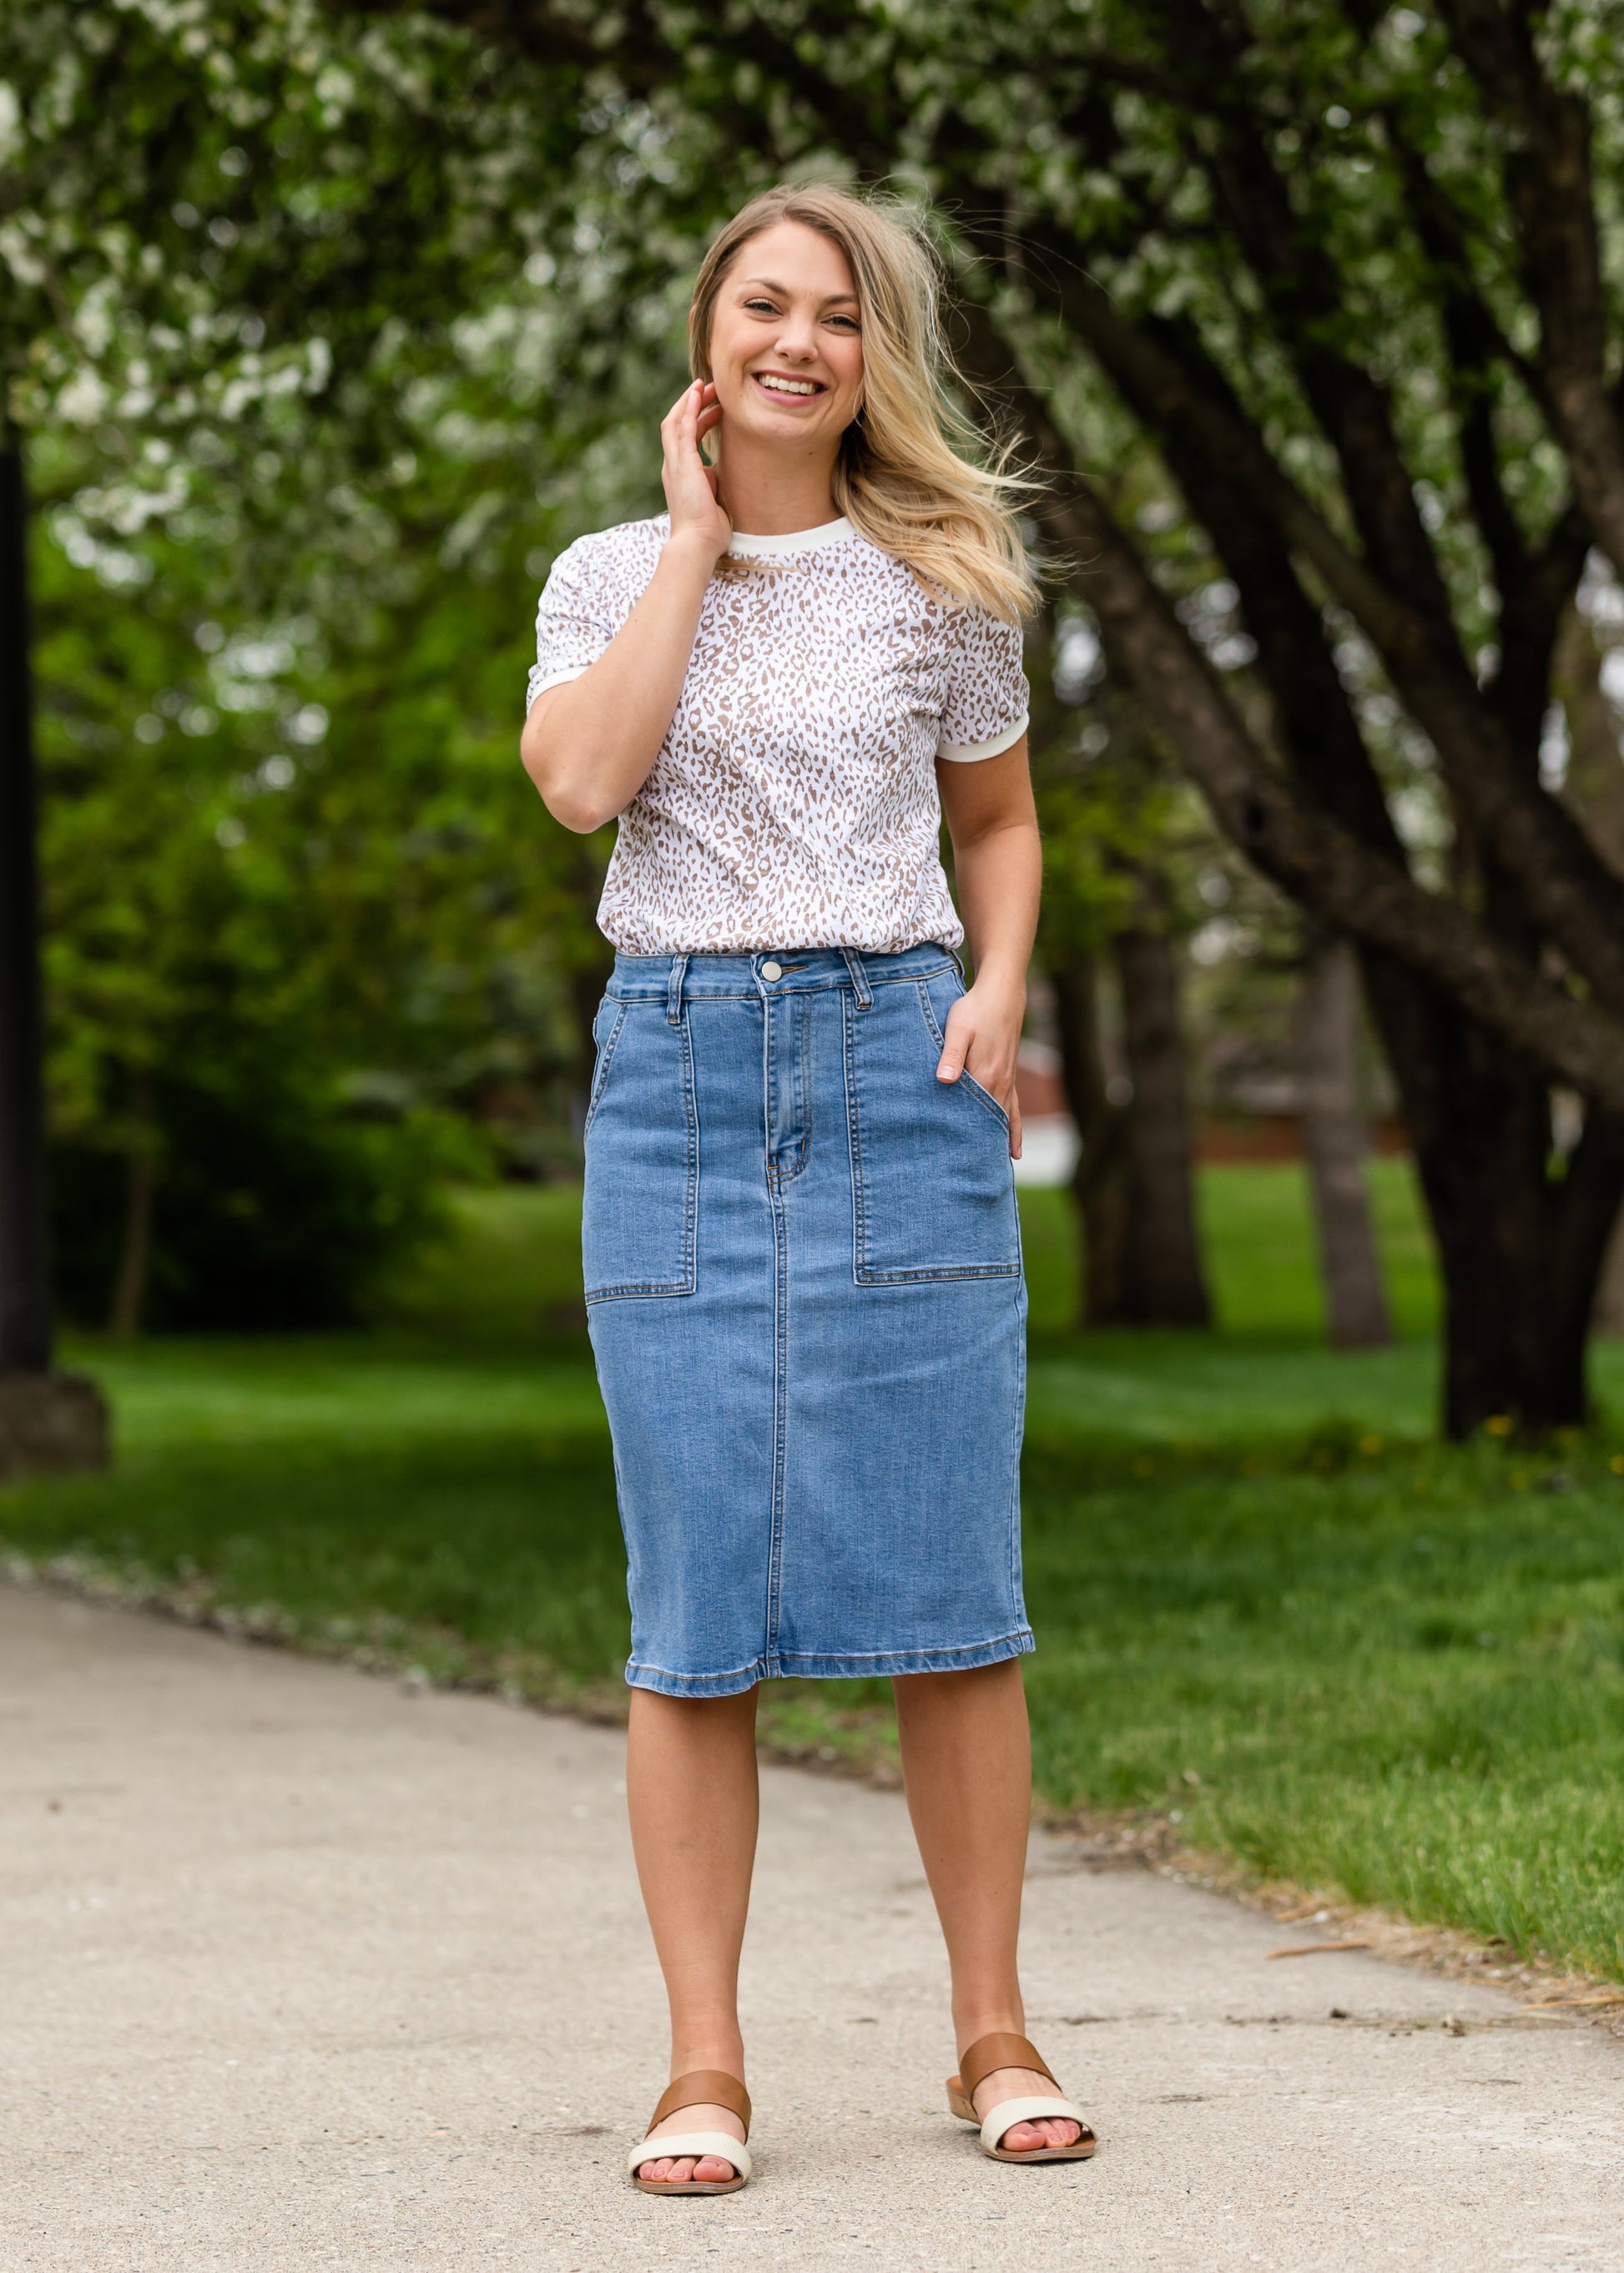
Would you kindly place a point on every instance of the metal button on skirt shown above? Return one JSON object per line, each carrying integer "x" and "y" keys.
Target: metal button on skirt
{"x": 803, "y": 1279}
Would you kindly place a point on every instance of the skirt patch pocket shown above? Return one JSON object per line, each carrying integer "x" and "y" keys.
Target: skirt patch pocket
{"x": 605, "y": 1033}
{"x": 933, "y": 1190}
{"x": 639, "y": 1212}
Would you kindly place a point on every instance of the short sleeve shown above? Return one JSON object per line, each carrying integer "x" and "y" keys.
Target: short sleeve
{"x": 986, "y": 708}
{"x": 575, "y": 621}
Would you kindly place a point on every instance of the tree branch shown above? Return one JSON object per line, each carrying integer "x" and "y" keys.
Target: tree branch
{"x": 1316, "y": 859}
{"x": 1550, "y": 190}
{"x": 1574, "y": 898}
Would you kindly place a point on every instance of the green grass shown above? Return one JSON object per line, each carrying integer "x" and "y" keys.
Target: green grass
{"x": 1399, "y": 1674}
{"x": 1265, "y": 1601}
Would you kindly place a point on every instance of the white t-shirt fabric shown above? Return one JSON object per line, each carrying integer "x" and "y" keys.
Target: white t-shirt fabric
{"x": 793, "y": 801}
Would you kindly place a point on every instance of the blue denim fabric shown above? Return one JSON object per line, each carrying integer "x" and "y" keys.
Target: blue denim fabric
{"x": 803, "y": 1279}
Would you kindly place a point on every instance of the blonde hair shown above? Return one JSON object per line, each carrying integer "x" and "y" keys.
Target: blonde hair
{"x": 909, "y": 476}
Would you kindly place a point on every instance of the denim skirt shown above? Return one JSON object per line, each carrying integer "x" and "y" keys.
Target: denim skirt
{"x": 803, "y": 1280}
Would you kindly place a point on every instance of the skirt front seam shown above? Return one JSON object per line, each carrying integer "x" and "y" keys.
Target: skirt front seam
{"x": 780, "y": 1413}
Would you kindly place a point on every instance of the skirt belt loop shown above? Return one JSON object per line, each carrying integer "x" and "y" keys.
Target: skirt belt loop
{"x": 860, "y": 976}
{"x": 673, "y": 990}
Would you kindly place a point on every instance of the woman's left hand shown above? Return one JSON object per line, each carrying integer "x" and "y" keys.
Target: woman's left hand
{"x": 983, "y": 1037}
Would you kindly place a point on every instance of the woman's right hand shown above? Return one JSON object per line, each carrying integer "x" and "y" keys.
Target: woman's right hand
{"x": 696, "y": 512}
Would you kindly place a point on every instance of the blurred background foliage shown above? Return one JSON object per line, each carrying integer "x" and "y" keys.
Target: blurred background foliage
{"x": 328, "y": 326}
{"x": 338, "y": 338}
{"x": 307, "y": 424}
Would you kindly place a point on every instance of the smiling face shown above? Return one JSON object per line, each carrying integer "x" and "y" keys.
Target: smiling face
{"x": 786, "y": 343}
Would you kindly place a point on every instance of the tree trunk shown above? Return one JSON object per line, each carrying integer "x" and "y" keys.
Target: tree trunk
{"x": 24, "y": 1276}
{"x": 130, "y": 1282}
{"x": 1164, "y": 1282}
{"x": 1594, "y": 790}
{"x": 1518, "y": 1309}
{"x": 1141, "y": 1262}
{"x": 1520, "y": 1249}
{"x": 1334, "y": 1142}
{"x": 1100, "y": 1182}
{"x": 1608, "y": 1318}
{"x": 1520, "y": 1242}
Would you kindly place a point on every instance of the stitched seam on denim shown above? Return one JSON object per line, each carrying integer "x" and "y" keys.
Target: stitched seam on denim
{"x": 695, "y": 990}
{"x": 601, "y": 1079}
{"x": 1018, "y": 1598}
{"x": 690, "y": 1100}
{"x": 867, "y": 1656}
{"x": 940, "y": 1038}
{"x": 926, "y": 1276}
{"x": 765, "y": 1000}
{"x": 659, "y": 1685}
{"x": 642, "y": 1292}
{"x": 854, "y": 1142}
{"x": 803, "y": 1108}
{"x": 620, "y": 1290}
{"x": 667, "y": 1673}
{"x": 780, "y": 1387}
{"x": 903, "y": 1660}
{"x": 780, "y": 1423}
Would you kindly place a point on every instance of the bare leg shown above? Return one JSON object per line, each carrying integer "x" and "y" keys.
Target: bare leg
{"x": 966, "y": 1760}
{"x": 691, "y": 1793}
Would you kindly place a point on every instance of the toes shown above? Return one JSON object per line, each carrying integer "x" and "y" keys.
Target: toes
{"x": 672, "y": 2170}
{"x": 669, "y": 2170}
{"x": 1034, "y": 2132}
{"x": 1048, "y": 2131}
{"x": 677, "y": 2170}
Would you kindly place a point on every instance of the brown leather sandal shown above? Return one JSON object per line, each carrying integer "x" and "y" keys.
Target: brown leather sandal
{"x": 1008, "y": 2051}
{"x": 715, "y": 2085}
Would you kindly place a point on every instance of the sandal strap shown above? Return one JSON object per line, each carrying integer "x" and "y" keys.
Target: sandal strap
{"x": 676, "y": 2144}
{"x": 706, "y": 2086}
{"x": 1002, "y": 2049}
{"x": 1008, "y": 2112}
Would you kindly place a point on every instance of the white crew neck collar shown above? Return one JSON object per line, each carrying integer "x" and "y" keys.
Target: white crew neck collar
{"x": 798, "y": 540}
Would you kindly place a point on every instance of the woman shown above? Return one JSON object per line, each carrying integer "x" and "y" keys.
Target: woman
{"x": 802, "y": 1258}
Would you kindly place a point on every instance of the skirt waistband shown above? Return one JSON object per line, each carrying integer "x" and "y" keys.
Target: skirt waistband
{"x": 781, "y": 970}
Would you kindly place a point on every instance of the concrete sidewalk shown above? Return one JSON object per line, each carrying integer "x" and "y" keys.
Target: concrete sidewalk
{"x": 303, "y": 1971}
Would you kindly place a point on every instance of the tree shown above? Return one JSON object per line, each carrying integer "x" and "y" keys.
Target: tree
{"x": 1334, "y": 1142}
{"x": 1344, "y": 271}
{"x": 274, "y": 327}
{"x": 1107, "y": 810}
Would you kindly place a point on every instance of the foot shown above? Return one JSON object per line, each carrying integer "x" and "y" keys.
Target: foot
{"x": 1025, "y": 2083}
{"x": 709, "y": 2170}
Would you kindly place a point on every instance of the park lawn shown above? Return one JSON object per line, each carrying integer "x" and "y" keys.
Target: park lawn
{"x": 1267, "y": 1605}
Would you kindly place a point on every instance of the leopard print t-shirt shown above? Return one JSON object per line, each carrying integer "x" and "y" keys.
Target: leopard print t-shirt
{"x": 794, "y": 800}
